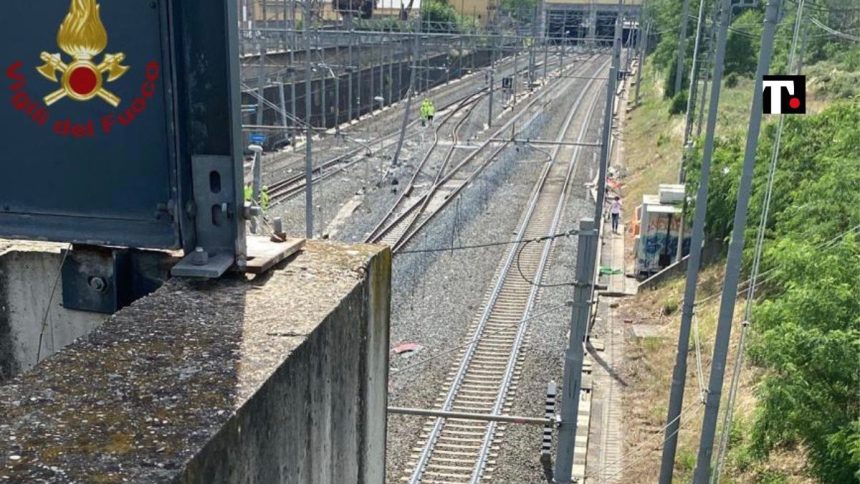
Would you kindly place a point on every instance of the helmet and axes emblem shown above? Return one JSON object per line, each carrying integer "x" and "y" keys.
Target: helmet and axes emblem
{"x": 83, "y": 37}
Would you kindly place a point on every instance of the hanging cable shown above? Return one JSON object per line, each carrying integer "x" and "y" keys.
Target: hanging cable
{"x": 770, "y": 272}
{"x": 490, "y": 244}
{"x": 831, "y": 31}
{"x": 700, "y": 373}
{"x": 51, "y": 303}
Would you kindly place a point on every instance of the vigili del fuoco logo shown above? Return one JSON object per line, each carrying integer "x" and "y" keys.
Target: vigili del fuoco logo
{"x": 83, "y": 37}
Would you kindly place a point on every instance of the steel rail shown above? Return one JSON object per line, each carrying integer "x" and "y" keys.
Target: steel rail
{"x": 382, "y": 228}
{"x": 502, "y": 279}
{"x": 293, "y": 186}
{"x": 414, "y": 212}
{"x": 512, "y": 361}
{"x": 409, "y": 235}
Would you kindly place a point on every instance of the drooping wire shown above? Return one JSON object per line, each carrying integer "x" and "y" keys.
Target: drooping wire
{"x": 490, "y": 244}
{"x": 51, "y": 303}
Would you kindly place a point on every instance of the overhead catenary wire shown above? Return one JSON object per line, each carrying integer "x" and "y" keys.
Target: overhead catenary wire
{"x": 770, "y": 272}
{"x": 490, "y": 244}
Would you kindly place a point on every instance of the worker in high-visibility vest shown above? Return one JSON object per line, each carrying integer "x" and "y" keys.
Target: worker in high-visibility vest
{"x": 427, "y": 111}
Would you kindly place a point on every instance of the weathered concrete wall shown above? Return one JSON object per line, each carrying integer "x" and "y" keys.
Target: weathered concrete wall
{"x": 277, "y": 379}
{"x": 27, "y": 275}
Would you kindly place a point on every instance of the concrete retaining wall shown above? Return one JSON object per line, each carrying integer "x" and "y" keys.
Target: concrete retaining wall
{"x": 27, "y": 276}
{"x": 279, "y": 379}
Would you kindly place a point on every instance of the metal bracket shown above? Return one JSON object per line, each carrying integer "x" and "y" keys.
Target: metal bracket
{"x": 216, "y": 219}
{"x": 105, "y": 280}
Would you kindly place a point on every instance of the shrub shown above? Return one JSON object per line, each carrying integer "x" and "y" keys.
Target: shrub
{"x": 669, "y": 307}
{"x": 679, "y": 103}
{"x": 732, "y": 80}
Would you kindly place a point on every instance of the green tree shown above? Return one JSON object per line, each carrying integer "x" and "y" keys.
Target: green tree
{"x": 743, "y": 43}
{"x": 807, "y": 339}
{"x": 806, "y": 329}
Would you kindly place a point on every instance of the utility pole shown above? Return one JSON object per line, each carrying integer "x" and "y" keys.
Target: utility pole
{"x": 688, "y": 126}
{"x": 759, "y": 247}
{"x": 351, "y": 72}
{"x": 643, "y": 49}
{"x": 682, "y": 46}
{"x": 309, "y": 157}
{"x": 691, "y": 97}
{"x": 409, "y": 95}
{"x": 606, "y": 142}
{"x": 261, "y": 83}
{"x": 735, "y": 254}
{"x": 492, "y": 89}
{"x": 709, "y": 59}
{"x": 586, "y": 253}
{"x": 293, "y": 47}
{"x": 283, "y": 99}
{"x": 679, "y": 374}
{"x": 257, "y": 185}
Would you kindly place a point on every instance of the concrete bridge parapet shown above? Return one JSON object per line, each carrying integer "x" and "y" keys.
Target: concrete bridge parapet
{"x": 281, "y": 378}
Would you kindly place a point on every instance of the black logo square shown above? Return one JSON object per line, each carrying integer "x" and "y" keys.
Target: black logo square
{"x": 784, "y": 94}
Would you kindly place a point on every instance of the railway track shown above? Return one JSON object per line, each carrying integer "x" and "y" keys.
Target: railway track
{"x": 463, "y": 451}
{"x": 389, "y": 233}
{"x": 408, "y": 217}
{"x": 293, "y": 185}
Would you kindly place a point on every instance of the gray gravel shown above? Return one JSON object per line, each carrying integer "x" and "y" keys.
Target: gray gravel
{"x": 435, "y": 296}
{"x": 547, "y": 340}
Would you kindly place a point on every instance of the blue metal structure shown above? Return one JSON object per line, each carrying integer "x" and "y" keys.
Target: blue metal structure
{"x": 120, "y": 125}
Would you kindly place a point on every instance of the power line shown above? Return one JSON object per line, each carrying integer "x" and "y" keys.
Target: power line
{"x": 491, "y": 244}
{"x": 824, "y": 245}
{"x": 50, "y": 305}
{"x": 759, "y": 247}
{"x": 833, "y": 31}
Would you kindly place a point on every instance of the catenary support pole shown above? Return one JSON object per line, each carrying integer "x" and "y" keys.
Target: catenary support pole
{"x": 351, "y": 73}
{"x": 309, "y": 157}
{"x": 605, "y": 142}
{"x": 679, "y": 373}
{"x": 409, "y": 96}
{"x": 573, "y": 357}
{"x": 606, "y": 148}
{"x": 492, "y": 89}
{"x": 735, "y": 255}
{"x": 256, "y": 185}
{"x": 282, "y": 97}
{"x": 643, "y": 50}
{"x": 691, "y": 97}
{"x": 686, "y": 147}
{"x": 682, "y": 46}
{"x": 293, "y": 46}
{"x": 261, "y": 83}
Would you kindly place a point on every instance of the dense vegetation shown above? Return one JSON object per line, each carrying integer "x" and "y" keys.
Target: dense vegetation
{"x": 805, "y": 333}
{"x": 744, "y": 37}
{"x": 806, "y": 328}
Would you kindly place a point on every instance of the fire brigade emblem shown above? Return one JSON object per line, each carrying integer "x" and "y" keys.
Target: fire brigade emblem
{"x": 83, "y": 37}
